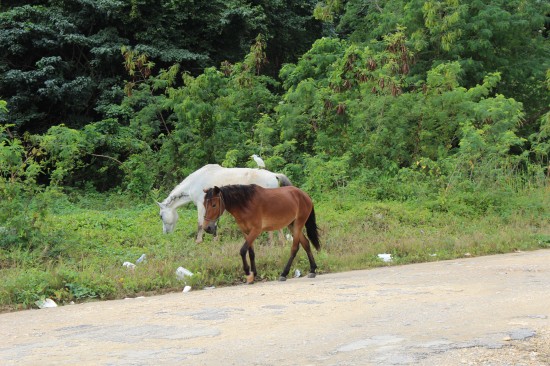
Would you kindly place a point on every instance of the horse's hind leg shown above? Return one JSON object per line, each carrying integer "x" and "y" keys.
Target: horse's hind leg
{"x": 307, "y": 248}
{"x": 281, "y": 237}
{"x": 293, "y": 251}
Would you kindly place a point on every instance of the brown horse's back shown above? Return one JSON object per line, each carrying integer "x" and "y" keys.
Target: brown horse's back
{"x": 282, "y": 206}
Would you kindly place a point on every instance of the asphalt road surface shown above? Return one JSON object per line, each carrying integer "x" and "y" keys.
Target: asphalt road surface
{"x": 492, "y": 310}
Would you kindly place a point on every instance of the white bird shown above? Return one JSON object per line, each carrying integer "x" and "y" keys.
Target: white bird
{"x": 258, "y": 161}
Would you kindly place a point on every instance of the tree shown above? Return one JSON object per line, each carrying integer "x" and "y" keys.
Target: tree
{"x": 60, "y": 59}
{"x": 485, "y": 36}
{"x": 54, "y": 64}
{"x": 363, "y": 109}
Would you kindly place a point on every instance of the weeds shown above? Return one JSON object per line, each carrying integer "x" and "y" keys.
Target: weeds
{"x": 82, "y": 249}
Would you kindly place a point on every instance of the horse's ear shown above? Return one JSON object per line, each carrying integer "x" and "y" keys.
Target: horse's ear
{"x": 216, "y": 189}
{"x": 160, "y": 205}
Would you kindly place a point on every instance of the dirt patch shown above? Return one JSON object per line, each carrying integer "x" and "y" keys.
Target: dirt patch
{"x": 477, "y": 311}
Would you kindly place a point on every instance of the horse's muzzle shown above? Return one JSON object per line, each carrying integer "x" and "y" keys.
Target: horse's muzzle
{"x": 211, "y": 228}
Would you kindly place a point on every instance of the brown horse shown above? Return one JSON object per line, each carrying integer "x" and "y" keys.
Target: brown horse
{"x": 258, "y": 209}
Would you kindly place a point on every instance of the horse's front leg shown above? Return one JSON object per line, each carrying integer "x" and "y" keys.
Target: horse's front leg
{"x": 252, "y": 256}
{"x": 248, "y": 246}
{"x": 200, "y": 232}
{"x": 246, "y": 267}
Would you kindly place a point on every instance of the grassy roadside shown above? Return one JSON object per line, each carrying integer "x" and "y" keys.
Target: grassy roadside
{"x": 85, "y": 243}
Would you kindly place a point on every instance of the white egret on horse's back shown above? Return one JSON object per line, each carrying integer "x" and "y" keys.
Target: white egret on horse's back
{"x": 258, "y": 161}
{"x": 191, "y": 189}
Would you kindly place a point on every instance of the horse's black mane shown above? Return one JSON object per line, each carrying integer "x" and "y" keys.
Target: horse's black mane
{"x": 235, "y": 195}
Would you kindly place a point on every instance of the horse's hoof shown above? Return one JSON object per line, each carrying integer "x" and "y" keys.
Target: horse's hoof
{"x": 311, "y": 275}
{"x": 282, "y": 278}
{"x": 250, "y": 279}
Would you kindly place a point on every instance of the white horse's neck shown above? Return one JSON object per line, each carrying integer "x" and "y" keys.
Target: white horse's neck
{"x": 178, "y": 197}
{"x": 186, "y": 191}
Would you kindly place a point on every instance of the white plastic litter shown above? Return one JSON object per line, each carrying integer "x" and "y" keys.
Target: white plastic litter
{"x": 187, "y": 289}
{"x": 385, "y": 257}
{"x": 288, "y": 237}
{"x": 297, "y": 273}
{"x": 141, "y": 259}
{"x": 182, "y": 272}
{"x": 7, "y": 230}
{"x": 46, "y": 303}
{"x": 129, "y": 265}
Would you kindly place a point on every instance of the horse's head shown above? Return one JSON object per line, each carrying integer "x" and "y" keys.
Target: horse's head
{"x": 169, "y": 217}
{"x": 214, "y": 208}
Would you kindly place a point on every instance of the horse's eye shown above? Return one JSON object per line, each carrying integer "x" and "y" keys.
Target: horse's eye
{"x": 213, "y": 205}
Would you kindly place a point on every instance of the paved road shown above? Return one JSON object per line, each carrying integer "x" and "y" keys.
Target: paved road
{"x": 491, "y": 310}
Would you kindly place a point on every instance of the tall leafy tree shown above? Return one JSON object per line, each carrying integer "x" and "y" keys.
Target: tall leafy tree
{"x": 485, "y": 36}
{"x": 60, "y": 59}
{"x": 215, "y": 113}
{"x": 56, "y": 61}
{"x": 364, "y": 111}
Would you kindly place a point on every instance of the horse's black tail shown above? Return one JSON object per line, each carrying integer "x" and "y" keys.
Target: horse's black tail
{"x": 283, "y": 180}
{"x": 312, "y": 230}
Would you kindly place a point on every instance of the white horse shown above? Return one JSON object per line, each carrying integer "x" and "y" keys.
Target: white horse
{"x": 191, "y": 189}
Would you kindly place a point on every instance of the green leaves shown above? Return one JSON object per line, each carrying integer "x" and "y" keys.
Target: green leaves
{"x": 65, "y": 148}
{"x": 60, "y": 60}
{"x": 19, "y": 159}
{"x": 3, "y": 107}
{"x": 446, "y": 82}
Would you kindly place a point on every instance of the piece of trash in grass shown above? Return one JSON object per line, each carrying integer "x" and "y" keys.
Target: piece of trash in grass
{"x": 186, "y": 289}
{"x": 385, "y": 257}
{"x": 46, "y": 303}
{"x": 297, "y": 273}
{"x": 141, "y": 259}
{"x": 181, "y": 273}
{"x": 129, "y": 265}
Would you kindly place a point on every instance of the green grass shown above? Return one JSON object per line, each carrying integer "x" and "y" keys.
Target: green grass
{"x": 83, "y": 244}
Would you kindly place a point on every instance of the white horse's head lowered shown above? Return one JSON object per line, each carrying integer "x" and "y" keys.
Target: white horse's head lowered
{"x": 169, "y": 217}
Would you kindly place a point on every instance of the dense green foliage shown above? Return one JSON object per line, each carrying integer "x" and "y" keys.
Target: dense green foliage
{"x": 60, "y": 60}
{"x": 414, "y": 113}
{"x": 86, "y": 239}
